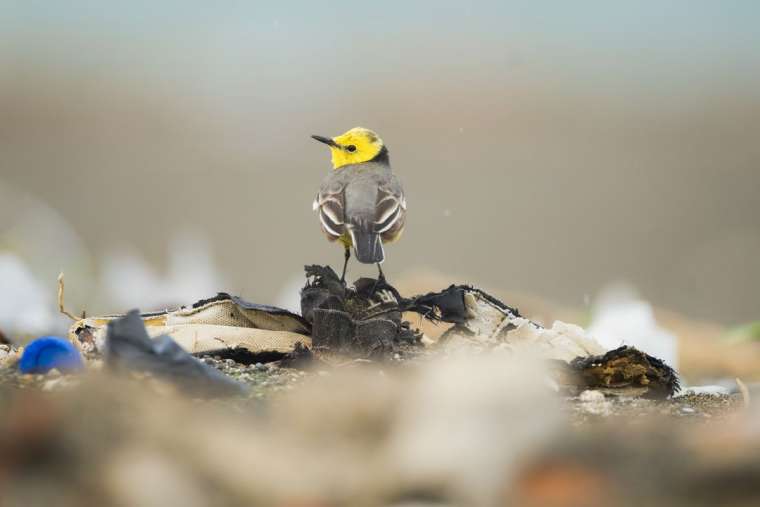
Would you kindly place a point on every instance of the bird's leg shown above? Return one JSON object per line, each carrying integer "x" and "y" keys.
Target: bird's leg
{"x": 345, "y": 265}
{"x": 380, "y": 276}
{"x": 380, "y": 279}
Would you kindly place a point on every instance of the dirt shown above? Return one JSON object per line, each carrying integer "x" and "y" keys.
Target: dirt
{"x": 268, "y": 380}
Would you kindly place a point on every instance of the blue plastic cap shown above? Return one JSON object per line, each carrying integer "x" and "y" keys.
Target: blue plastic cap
{"x": 48, "y": 352}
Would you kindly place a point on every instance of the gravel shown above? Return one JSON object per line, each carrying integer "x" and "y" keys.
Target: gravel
{"x": 267, "y": 380}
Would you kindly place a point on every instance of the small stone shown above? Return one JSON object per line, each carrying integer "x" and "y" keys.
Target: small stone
{"x": 594, "y": 402}
{"x": 591, "y": 396}
{"x": 54, "y": 373}
{"x": 50, "y": 385}
{"x": 688, "y": 410}
{"x": 229, "y": 362}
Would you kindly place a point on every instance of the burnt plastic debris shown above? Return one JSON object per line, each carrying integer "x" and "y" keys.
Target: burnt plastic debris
{"x": 367, "y": 321}
{"x": 627, "y": 368}
{"x": 364, "y": 320}
{"x": 128, "y": 347}
{"x": 449, "y": 306}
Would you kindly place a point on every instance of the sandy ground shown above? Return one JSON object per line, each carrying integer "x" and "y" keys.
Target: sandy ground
{"x": 476, "y": 431}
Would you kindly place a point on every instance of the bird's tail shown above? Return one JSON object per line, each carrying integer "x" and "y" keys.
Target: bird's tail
{"x": 367, "y": 246}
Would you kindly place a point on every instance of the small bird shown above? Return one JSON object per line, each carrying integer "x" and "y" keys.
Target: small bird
{"x": 361, "y": 203}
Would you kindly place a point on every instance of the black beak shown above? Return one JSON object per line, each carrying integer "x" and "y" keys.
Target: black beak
{"x": 326, "y": 140}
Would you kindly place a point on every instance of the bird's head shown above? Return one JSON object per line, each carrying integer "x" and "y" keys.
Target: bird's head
{"x": 354, "y": 147}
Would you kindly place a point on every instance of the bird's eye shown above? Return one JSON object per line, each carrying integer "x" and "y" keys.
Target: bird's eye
{"x": 351, "y": 148}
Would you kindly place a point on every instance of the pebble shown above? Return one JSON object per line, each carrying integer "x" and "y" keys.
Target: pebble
{"x": 688, "y": 410}
{"x": 54, "y": 384}
{"x": 591, "y": 396}
{"x": 594, "y": 402}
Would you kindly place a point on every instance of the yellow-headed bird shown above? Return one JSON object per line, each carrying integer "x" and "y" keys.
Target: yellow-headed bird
{"x": 361, "y": 203}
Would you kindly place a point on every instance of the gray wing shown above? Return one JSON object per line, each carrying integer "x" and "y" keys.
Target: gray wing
{"x": 359, "y": 199}
{"x": 390, "y": 207}
{"x": 330, "y": 204}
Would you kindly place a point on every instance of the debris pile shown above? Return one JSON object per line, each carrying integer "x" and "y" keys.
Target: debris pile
{"x": 366, "y": 321}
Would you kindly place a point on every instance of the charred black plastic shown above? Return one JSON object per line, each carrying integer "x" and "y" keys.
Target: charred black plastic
{"x": 364, "y": 321}
{"x": 128, "y": 347}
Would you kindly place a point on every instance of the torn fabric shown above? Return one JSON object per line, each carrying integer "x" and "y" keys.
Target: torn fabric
{"x": 219, "y": 324}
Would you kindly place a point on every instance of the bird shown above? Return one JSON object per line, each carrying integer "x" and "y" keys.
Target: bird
{"x": 361, "y": 203}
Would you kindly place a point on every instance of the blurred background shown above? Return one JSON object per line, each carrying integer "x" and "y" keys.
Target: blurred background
{"x": 159, "y": 152}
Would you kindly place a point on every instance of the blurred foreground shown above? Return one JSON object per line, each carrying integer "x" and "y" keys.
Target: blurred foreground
{"x": 466, "y": 430}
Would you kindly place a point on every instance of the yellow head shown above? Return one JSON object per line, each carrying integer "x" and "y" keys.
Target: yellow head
{"x": 354, "y": 147}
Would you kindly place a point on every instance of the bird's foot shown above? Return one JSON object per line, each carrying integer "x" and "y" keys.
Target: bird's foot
{"x": 379, "y": 284}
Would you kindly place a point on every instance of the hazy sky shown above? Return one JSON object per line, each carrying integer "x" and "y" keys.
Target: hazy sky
{"x": 677, "y": 41}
